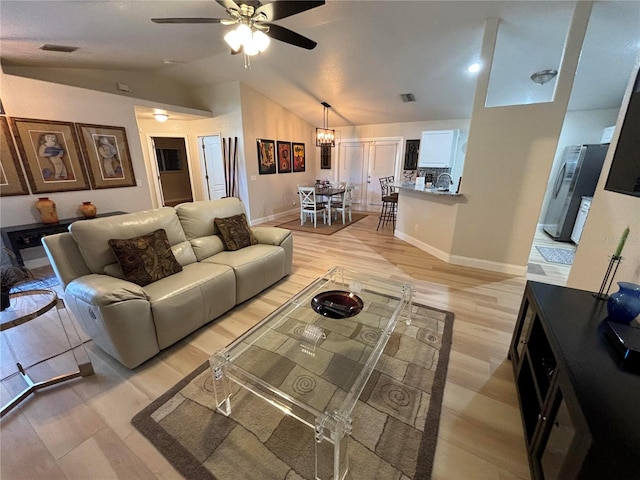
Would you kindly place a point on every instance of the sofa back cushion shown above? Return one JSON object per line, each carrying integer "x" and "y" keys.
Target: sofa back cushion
{"x": 197, "y": 221}
{"x": 92, "y": 236}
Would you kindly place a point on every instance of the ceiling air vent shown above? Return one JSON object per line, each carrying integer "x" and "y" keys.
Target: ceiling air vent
{"x": 57, "y": 48}
{"x": 407, "y": 97}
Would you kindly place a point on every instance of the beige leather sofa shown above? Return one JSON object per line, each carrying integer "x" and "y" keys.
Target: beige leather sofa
{"x": 133, "y": 323}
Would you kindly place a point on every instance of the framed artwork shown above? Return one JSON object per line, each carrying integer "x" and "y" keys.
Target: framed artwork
{"x": 411, "y": 154}
{"x": 106, "y": 152}
{"x": 50, "y": 154}
{"x": 325, "y": 157}
{"x": 284, "y": 157}
{"x": 266, "y": 156}
{"x": 298, "y": 157}
{"x": 12, "y": 181}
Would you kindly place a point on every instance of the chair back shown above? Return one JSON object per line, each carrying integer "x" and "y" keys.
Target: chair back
{"x": 347, "y": 197}
{"x": 386, "y": 186}
{"x": 307, "y": 197}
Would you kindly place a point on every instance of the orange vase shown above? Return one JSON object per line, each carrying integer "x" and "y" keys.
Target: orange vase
{"x": 47, "y": 209}
{"x": 88, "y": 210}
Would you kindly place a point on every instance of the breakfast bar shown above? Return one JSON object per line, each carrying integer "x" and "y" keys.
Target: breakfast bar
{"x": 427, "y": 218}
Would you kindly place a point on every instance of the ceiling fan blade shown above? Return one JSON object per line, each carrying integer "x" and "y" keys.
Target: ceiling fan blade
{"x": 229, "y": 4}
{"x": 288, "y": 36}
{"x": 187, "y": 20}
{"x": 285, "y": 8}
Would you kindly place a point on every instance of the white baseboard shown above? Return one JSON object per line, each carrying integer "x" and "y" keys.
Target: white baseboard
{"x": 276, "y": 216}
{"x": 482, "y": 264}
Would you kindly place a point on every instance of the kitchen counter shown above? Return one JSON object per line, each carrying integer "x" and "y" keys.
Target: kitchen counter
{"x": 411, "y": 186}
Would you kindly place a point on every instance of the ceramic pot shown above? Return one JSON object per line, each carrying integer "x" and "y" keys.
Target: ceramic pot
{"x": 47, "y": 209}
{"x": 88, "y": 210}
{"x": 624, "y": 305}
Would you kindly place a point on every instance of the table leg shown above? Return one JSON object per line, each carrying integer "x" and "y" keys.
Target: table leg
{"x": 221, "y": 387}
{"x": 332, "y": 447}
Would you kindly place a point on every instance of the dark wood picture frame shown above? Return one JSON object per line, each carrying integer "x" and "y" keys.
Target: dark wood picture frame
{"x": 298, "y": 157}
{"x": 266, "y": 156}
{"x": 284, "y": 157}
{"x": 411, "y": 150}
{"x": 325, "y": 158}
{"x": 106, "y": 152}
{"x": 12, "y": 181}
{"x": 50, "y": 154}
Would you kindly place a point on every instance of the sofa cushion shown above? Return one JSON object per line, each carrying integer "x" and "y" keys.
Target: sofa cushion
{"x": 187, "y": 300}
{"x": 145, "y": 259}
{"x": 256, "y": 268}
{"x": 92, "y": 235}
{"x": 197, "y": 217}
{"x": 235, "y": 232}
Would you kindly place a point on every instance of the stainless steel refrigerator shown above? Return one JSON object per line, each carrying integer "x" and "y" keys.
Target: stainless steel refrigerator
{"x": 577, "y": 177}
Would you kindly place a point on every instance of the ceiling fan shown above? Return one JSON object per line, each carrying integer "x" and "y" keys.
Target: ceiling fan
{"x": 255, "y": 26}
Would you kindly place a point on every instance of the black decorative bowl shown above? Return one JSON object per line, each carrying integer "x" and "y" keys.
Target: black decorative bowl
{"x": 337, "y": 304}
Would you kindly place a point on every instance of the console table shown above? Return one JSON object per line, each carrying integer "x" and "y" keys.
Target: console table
{"x": 578, "y": 398}
{"x": 19, "y": 237}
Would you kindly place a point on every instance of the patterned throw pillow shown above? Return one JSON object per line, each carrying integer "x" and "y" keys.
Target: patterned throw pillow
{"x": 147, "y": 258}
{"x": 235, "y": 232}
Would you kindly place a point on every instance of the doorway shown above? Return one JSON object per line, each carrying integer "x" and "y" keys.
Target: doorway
{"x": 363, "y": 162}
{"x": 172, "y": 170}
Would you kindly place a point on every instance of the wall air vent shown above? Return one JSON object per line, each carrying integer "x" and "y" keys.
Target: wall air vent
{"x": 407, "y": 97}
{"x": 57, "y": 48}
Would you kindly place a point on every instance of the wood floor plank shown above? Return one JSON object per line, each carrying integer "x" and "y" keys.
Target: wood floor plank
{"x": 480, "y": 432}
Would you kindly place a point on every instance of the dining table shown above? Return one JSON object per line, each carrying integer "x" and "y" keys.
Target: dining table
{"x": 328, "y": 192}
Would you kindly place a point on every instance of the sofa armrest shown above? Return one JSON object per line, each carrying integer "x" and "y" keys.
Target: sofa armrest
{"x": 270, "y": 235}
{"x": 116, "y": 314}
{"x": 103, "y": 290}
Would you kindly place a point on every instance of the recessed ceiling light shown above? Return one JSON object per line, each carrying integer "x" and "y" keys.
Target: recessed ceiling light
{"x": 473, "y": 68}
{"x": 161, "y": 117}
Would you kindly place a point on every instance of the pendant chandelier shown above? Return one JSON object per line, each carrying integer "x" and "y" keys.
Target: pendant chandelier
{"x": 325, "y": 137}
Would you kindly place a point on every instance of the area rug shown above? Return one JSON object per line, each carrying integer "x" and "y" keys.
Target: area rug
{"x": 322, "y": 228}
{"x": 395, "y": 421}
{"x": 557, "y": 255}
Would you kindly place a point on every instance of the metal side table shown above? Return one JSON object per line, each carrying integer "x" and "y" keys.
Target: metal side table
{"x": 26, "y": 306}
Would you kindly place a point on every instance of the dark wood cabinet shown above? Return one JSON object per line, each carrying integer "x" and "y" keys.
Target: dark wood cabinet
{"x": 580, "y": 406}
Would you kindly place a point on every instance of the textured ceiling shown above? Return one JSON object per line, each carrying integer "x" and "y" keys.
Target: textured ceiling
{"x": 368, "y": 53}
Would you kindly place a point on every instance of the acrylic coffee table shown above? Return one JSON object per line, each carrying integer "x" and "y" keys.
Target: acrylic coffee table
{"x": 314, "y": 367}
{"x": 26, "y": 306}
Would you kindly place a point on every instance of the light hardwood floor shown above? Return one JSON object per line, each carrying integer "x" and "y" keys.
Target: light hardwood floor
{"x": 81, "y": 429}
{"x": 542, "y": 271}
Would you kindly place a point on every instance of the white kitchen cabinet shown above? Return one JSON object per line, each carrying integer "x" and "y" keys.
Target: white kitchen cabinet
{"x": 437, "y": 148}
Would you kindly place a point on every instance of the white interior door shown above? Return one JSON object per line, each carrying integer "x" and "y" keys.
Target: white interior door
{"x": 362, "y": 163}
{"x": 213, "y": 166}
{"x": 383, "y": 157}
{"x": 352, "y": 167}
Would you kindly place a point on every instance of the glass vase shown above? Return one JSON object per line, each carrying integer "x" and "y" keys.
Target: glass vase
{"x": 624, "y": 305}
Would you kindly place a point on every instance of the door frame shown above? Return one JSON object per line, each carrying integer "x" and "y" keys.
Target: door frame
{"x": 156, "y": 185}
{"x": 397, "y": 170}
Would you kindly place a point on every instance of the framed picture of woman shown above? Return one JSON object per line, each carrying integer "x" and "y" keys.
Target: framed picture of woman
{"x": 50, "y": 154}
{"x": 284, "y": 157}
{"x": 12, "y": 181}
{"x": 106, "y": 151}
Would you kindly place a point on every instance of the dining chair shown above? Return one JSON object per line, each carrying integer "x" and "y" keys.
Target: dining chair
{"x": 343, "y": 205}
{"x": 309, "y": 206}
{"x": 389, "y": 202}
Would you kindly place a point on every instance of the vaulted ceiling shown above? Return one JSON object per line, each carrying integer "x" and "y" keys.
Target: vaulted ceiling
{"x": 368, "y": 53}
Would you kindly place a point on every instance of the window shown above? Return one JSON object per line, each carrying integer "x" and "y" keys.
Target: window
{"x": 169, "y": 159}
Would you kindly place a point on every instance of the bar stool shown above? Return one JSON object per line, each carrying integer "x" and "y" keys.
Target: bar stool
{"x": 389, "y": 202}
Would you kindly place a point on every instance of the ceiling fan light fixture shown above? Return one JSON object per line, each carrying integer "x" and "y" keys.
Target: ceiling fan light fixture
{"x": 262, "y": 40}
{"x": 544, "y": 76}
{"x": 233, "y": 40}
